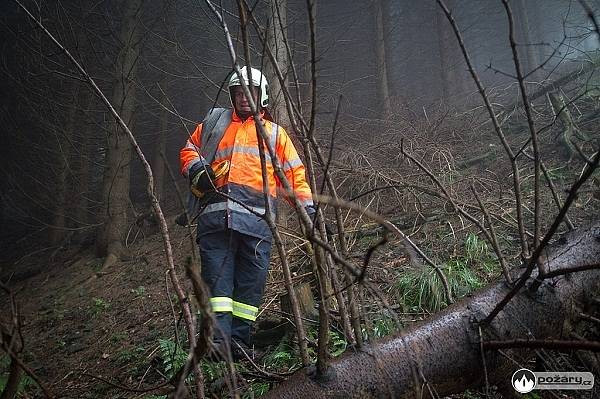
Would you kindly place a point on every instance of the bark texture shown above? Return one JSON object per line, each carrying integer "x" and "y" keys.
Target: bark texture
{"x": 276, "y": 36}
{"x": 116, "y": 184}
{"x": 380, "y": 48}
{"x": 445, "y": 350}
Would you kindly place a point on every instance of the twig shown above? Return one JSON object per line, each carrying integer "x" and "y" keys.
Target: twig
{"x": 562, "y": 272}
{"x": 11, "y": 340}
{"x": 560, "y": 345}
{"x": 586, "y": 173}
{"x": 390, "y": 227}
{"x": 126, "y": 388}
{"x": 263, "y": 372}
{"x": 553, "y": 191}
{"x": 485, "y": 371}
{"x": 181, "y": 295}
{"x": 492, "y": 237}
{"x": 497, "y": 129}
{"x": 532, "y": 132}
{"x": 183, "y": 207}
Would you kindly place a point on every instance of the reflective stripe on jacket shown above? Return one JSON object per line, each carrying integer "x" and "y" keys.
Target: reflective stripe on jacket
{"x": 244, "y": 182}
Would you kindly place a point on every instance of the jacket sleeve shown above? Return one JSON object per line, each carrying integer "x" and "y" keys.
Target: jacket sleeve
{"x": 293, "y": 168}
{"x": 189, "y": 156}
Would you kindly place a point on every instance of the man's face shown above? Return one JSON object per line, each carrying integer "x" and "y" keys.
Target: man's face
{"x": 240, "y": 102}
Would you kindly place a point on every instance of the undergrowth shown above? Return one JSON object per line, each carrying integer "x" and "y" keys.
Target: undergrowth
{"x": 422, "y": 289}
{"x": 26, "y": 383}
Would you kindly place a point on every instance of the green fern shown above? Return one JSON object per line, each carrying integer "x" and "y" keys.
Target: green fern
{"x": 256, "y": 389}
{"x": 174, "y": 357}
{"x": 282, "y": 357}
{"x": 25, "y": 383}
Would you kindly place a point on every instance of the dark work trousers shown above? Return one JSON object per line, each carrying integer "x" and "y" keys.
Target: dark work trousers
{"x": 235, "y": 267}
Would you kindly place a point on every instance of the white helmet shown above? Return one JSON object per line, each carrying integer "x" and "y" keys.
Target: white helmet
{"x": 258, "y": 80}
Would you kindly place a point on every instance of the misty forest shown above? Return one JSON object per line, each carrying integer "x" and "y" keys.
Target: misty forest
{"x": 451, "y": 148}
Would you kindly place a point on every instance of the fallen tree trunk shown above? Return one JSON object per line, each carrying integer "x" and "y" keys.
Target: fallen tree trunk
{"x": 445, "y": 350}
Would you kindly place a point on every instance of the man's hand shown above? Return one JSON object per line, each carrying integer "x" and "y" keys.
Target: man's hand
{"x": 202, "y": 178}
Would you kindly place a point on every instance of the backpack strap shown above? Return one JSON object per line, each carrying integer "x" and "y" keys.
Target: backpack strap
{"x": 213, "y": 129}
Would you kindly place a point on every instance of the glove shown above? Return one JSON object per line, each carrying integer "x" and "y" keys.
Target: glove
{"x": 202, "y": 177}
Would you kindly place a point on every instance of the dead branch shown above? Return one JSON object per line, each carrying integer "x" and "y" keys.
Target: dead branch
{"x": 553, "y": 344}
{"x": 587, "y": 172}
{"x": 497, "y": 128}
{"x": 532, "y": 131}
{"x": 11, "y": 342}
{"x": 181, "y": 295}
{"x": 446, "y": 347}
{"x": 562, "y": 272}
{"x": 492, "y": 236}
{"x": 553, "y": 191}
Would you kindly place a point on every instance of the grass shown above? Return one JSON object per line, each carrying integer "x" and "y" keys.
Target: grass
{"x": 423, "y": 289}
{"x": 380, "y": 328}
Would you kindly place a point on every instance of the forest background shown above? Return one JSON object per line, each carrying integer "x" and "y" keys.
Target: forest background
{"x": 404, "y": 144}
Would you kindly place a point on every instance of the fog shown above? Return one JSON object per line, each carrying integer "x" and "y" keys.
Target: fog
{"x": 407, "y": 61}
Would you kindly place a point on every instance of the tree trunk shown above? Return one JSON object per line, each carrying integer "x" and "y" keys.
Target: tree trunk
{"x": 441, "y": 26}
{"x": 158, "y": 162}
{"x": 444, "y": 351}
{"x": 382, "y": 79}
{"x": 276, "y": 36}
{"x": 527, "y": 51}
{"x": 64, "y": 152}
{"x": 83, "y": 186}
{"x": 115, "y": 192}
{"x": 276, "y": 42}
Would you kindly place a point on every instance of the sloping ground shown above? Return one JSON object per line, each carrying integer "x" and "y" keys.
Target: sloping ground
{"x": 80, "y": 321}
{"x": 443, "y": 353}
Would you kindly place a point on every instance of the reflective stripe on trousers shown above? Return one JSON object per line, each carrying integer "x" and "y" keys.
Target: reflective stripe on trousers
{"x": 221, "y": 304}
{"x": 244, "y": 311}
{"x": 238, "y": 309}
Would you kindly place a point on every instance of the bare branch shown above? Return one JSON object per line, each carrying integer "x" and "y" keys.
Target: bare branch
{"x": 552, "y": 344}
{"x": 586, "y": 173}
{"x": 181, "y": 295}
{"x": 497, "y": 129}
{"x": 532, "y": 132}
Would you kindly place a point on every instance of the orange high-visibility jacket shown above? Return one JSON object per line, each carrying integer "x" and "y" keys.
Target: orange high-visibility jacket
{"x": 244, "y": 181}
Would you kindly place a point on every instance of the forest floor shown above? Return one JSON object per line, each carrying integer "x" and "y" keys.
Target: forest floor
{"x": 81, "y": 322}
{"x": 111, "y": 333}
{"x": 87, "y": 328}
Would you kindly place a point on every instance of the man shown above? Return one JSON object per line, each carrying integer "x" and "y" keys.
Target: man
{"x": 233, "y": 237}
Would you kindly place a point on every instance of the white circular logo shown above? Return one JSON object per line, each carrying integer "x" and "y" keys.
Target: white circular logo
{"x": 523, "y": 380}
